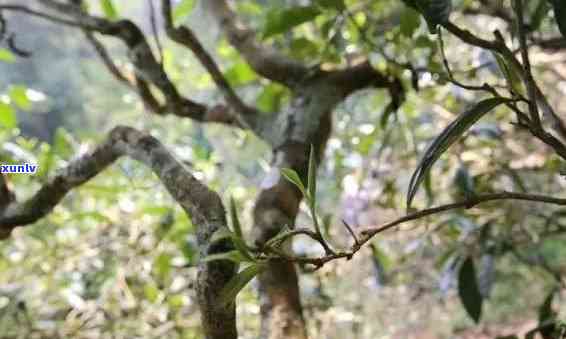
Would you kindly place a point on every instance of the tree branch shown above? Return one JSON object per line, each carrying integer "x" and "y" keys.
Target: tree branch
{"x": 369, "y": 232}
{"x": 148, "y": 69}
{"x": 264, "y": 60}
{"x": 184, "y": 36}
{"x": 202, "y": 205}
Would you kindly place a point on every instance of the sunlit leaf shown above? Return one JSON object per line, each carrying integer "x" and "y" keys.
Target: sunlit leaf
{"x": 269, "y": 100}
{"x": 443, "y": 141}
{"x": 282, "y": 20}
{"x": 182, "y": 10}
{"x": 238, "y": 282}
{"x": 240, "y": 74}
{"x": 108, "y": 9}
{"x": 7, "y": 116}
{"x": 468, "y": 290}
{"x": 18, "y": 94}
{"x": 162, "y": 266}
{"x": 7, "y": 56}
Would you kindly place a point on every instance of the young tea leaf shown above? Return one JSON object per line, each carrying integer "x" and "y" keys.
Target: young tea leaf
{"x": 294, "y": 178}
{"x": 238, "y": 282}
{"x": 443, "y": 141}
{"x": 235, "y": 220}
{"x": 468, "y": 290}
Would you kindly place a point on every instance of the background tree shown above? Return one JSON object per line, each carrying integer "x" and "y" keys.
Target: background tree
{"x": 282, "y": 81}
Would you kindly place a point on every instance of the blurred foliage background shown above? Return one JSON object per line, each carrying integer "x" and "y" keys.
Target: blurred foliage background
{"x": 117, "y": 258}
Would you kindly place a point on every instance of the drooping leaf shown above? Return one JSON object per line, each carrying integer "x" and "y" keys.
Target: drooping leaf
{"x": 7, "y": 115}
{"x": 443, "y": 141}
{"x": 238, "y": 282}
{"x": 282, "y": 20}
{"x": 468, "y": 290}
{"x": 559, "y": 7}
{"x": 182, "y": 10}
{"x": 108, "y": 9}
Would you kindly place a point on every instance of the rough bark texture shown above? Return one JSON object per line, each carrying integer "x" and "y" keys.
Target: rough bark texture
{"x": 290, "y": 132}
{"x": 202, "y": 205}
{"x": 306, "y": 121}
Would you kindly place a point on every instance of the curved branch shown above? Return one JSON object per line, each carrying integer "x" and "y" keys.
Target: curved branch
{"x": 148, "y": 70}
{"x": 184, "y": 36}
{"x": 264, "y": 60}
{"x": 369, "y": 232}
{"x": 202, "y": 205}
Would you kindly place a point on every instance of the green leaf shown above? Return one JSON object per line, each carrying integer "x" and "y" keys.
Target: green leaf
{"x": 435, "y": 12}
{"x": 18, "y": 94}
{"x": 312, "y": 178}
{"x": 333, "y": 4}
{"x": 511, "y": 74}
{"x": 235, "y": 220}
{"x": 410, "y": 22}
{"x": 304, "y": 49}
{"x": 237, "y": 283}
{"x": 282, "y": 20}
{"x": 240, "y": 74}
{"x": 108, "y": 9}
{"x": 7, "y": 56}
{"x": 162, "y": 265}
{"x": 7, "y": 116}
{"x": 294, "y": 178}
{"x": 269, "y": 100}
{"x": 468, "y": 290}
{"x": 443, "y": 141}
{"x": 560, "y": 15}
{"x": 538, "y": 14}
{"x": 182, "y": 10}
{"x": 151, "y": 292}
